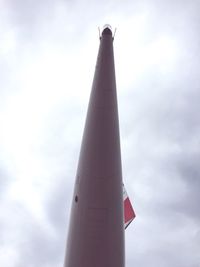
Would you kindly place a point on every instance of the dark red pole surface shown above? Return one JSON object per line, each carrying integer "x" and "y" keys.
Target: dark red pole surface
{"x": 96, "y": 231}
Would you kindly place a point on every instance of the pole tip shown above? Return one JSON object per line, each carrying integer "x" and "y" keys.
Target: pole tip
{"x": 107, "y": 29}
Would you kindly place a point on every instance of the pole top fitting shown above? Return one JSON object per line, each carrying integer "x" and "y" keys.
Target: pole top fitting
{"x": 107, "y": 30}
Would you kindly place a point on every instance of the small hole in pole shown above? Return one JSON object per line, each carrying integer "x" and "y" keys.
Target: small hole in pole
{"x": 76, "y": 198}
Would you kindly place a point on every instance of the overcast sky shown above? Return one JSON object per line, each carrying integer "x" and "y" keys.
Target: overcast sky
{"x": 48, "y": 52}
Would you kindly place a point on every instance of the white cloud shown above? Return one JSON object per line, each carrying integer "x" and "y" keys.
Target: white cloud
{"x": 48, "y": 54}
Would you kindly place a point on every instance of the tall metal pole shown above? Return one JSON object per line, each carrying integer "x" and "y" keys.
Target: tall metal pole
{"x": 96, "y": 231}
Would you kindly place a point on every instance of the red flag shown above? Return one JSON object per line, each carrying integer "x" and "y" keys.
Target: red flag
{"x": 129, "y": 213}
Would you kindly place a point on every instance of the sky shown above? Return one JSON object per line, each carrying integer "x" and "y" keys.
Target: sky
{"x": 48, "y": 52}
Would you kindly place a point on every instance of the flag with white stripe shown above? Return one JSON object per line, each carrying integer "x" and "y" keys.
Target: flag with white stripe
{"x": 129, "y": 213}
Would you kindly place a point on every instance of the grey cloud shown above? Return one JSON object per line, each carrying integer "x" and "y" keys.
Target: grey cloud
{"x": 161, "y": 137}
{"x": 38, "y": 247}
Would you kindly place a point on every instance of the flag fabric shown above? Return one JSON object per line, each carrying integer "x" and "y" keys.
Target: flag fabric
{"x": 129, "y": 213}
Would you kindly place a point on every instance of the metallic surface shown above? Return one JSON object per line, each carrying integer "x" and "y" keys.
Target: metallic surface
{"x": 96, "y": 231}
